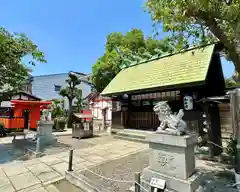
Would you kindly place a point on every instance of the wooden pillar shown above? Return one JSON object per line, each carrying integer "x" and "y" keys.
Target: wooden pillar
{"x": 235, "y": 106}
{"x": 208, "y": 127}
{"x": 233, "y": 113}
{"x": 216, "y": 128}
{"x": 129, "y": 111}
{"x": 213, "y": 128}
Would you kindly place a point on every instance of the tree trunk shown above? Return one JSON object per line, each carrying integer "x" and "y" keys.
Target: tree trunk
{"x": 231, "y": 47}
{"x": 69, "y": 121}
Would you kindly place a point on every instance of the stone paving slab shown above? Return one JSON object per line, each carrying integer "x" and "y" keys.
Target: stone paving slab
{"x": 49, "y": 160}
{"x": 2, "y": 174}
{"x": 7, "y": 188}
{"x": 24, "y": 180}
{"x": 4, "y": 181}
{"x": 31, "y": 162}
{"x": 76, "y": 159}
{"x": 41, "y": 189}
{"x": 60, "y": 167}
{"x": 32, "y": 189}
{"x": 38, "y": 189}
{"x": 60, "y": 155}
{"x": 47, "y": 176}
{"x": 14, "y": 168}
{"x": 39, "y": 168}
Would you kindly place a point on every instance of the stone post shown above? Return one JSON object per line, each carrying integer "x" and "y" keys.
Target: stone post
{"x": 137, "y": 179}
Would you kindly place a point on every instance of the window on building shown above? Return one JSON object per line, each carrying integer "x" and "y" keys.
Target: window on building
{"x": 57, "y": 88}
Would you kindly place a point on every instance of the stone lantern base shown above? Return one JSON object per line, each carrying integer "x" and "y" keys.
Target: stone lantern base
{"x": 45, "y": 136}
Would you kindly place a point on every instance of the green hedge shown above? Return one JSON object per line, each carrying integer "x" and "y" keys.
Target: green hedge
{"x": 59, "y": 124}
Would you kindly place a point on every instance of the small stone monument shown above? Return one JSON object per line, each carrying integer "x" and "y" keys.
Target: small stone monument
{"x": 172, "y": 159}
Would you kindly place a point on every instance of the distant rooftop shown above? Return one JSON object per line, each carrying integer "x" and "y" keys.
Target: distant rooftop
{"x": 78, "y": 73}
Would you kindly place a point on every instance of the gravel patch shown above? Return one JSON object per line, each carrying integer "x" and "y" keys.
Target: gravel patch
{"x": 220, "y": 181}
{"x": 121, "y": 169}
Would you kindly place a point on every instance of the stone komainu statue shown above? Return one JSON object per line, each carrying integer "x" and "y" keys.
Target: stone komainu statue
{"x": 170, "y": 123}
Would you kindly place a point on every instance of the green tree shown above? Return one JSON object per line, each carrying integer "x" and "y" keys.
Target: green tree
{"x": 13, "y": 73}
{"x": 233, "y": 81}
{"x": 200, "y": 22}
{"x": 70, "y": 91}
{"x": 122, "y": 49}
{"x": 57, "y": 108}
{"x": 79, "y": 100}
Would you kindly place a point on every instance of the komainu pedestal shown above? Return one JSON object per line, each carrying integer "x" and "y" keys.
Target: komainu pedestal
{"x": 172, "y": 159}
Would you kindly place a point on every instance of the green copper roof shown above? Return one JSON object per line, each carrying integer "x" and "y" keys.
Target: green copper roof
{"x": 182, "y": 68}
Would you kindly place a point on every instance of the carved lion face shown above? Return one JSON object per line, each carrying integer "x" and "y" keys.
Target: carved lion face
{"x": 162, "y": 107}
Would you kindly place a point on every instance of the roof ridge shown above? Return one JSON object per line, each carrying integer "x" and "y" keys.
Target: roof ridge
{"x": 156, "y": 57}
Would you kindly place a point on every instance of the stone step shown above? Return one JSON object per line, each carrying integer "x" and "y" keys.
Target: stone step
{"x": 143, "y": 132}
{"x": 132, "y": 135}
{"x": 129, "y": 138}
{"x": 115, "y": 131}
{"x": 52, "y": 188}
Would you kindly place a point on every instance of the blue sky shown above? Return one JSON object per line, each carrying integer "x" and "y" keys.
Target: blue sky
{"x": 72, "y": 33}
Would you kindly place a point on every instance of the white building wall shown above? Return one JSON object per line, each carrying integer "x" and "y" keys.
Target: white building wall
{"x": 44, "y": 87}
{"x": 97, "y": 109}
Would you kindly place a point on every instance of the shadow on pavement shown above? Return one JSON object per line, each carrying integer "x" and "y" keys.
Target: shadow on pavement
{"x": 19, "y": 150}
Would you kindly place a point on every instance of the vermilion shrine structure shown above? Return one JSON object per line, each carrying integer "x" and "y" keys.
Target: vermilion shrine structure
{"x": 23, "y": 114}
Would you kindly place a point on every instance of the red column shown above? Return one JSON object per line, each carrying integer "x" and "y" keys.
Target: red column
{"x": 34, "y": 116}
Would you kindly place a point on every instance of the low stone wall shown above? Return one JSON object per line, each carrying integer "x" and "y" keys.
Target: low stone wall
{"x": 97, "y": 125}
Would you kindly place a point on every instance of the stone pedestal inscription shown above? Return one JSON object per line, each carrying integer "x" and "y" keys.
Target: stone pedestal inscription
{"x": 172, "y": 159}
{"x": 164, "y": 161}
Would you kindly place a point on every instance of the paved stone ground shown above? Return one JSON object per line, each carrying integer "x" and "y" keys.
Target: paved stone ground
{"x": 113, "y": 158}
{"x": 22, "y": 176}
